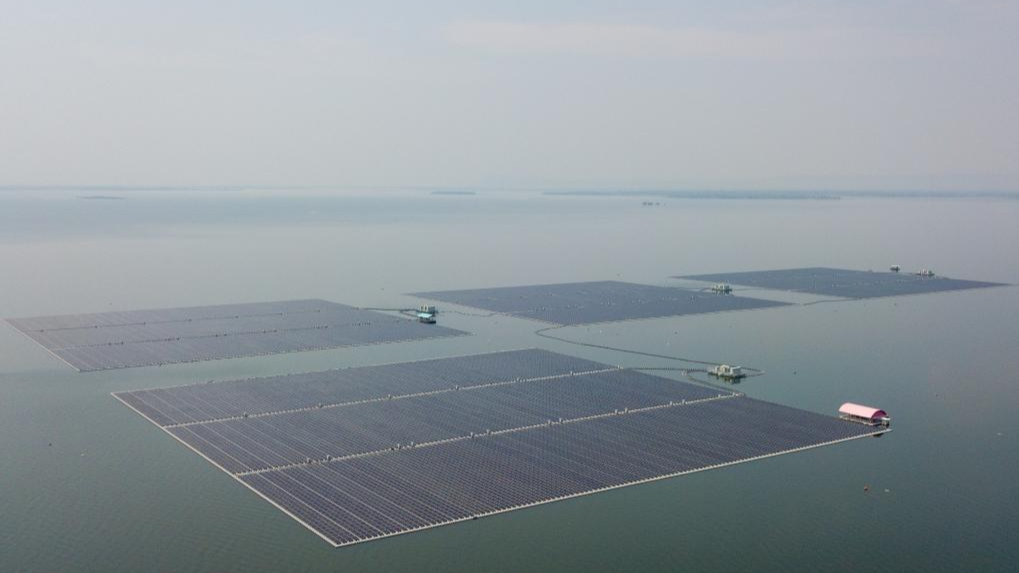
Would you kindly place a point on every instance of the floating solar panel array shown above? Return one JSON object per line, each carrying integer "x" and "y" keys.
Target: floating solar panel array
{"x": 842, "y": 282}
{"x": 594, "y": 302}
{"x": 111, "y": 340}
{"x": 364, "y": 453}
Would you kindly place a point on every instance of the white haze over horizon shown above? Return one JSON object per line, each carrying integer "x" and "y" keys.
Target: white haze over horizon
{"x": 826, "y": 95}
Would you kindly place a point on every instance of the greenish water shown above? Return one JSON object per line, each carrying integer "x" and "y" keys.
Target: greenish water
{"x": 113, "y": 493}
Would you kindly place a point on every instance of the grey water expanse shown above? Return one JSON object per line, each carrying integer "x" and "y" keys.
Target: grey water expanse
{"x": 88, "y": 485}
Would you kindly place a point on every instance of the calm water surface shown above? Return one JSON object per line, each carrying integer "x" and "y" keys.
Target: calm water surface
{"x": 113, "y": 493}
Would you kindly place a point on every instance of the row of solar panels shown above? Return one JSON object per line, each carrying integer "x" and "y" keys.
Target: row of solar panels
{"x": 160, "y": 331}
{"x": 183, "y": 314}
{"x": 230, "y": 399}
{"x": 129, "y": 355}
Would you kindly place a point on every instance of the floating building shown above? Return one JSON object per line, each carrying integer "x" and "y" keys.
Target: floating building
{"x": 727, "y": 372}
{"x": 864, "y": 414}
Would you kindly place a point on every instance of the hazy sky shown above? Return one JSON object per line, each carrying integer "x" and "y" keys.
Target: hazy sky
{"x": 856, "y": 94}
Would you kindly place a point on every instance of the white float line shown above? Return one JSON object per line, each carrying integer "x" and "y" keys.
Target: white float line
{"x": 231, "y": 474}
{"x": 44, "y": 347}
{"x": 472, "y": 435}
{"x": 386, "y": 398}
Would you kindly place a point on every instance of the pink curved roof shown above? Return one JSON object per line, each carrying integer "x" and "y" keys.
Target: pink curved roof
{"x": 851, "y": 409}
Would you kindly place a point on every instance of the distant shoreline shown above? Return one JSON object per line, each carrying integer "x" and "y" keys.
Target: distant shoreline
{"x": 121, "y": 192}
{"x": 790, "y": 195}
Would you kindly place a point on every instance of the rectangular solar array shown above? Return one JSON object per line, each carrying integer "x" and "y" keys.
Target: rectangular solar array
{"x": 594, "y": 302}
{"x": 842, "y": 282}
{"x": 111, "y": 340}
{"x": 363, "y": 453}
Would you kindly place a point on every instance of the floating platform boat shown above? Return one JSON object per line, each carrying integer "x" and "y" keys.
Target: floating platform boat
{"x": 727, "y": 372}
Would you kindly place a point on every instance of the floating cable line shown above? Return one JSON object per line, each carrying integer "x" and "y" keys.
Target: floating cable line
{"x": 688, "y": 375}
{"x": 543, "y": 332}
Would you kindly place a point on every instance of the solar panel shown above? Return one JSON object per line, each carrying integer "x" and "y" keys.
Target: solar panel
{"x": 152, "y": 337}
{"x": 364, "y": 453}
{"x": 255, "y": 396}
{"x": 842, "y": 282}
{"x": 594, "y": 302}
{"x": 182, "y": 314}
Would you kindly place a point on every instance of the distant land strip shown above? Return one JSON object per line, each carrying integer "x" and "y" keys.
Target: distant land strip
{"x": 792, "y": 195}
{"x": 109, "y": 191}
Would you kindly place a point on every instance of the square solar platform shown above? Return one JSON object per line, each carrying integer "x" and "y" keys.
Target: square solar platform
{"x": 110, "y": 340}
{"x": 842, "y": 282}
{"x": 370, "y": 452}
{"x": 595, "y": 302}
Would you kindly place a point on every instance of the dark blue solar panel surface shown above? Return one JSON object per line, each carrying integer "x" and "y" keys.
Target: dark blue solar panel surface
{"x": 594, "y": 302}
{"x": 205, "y": 402}
{"x": 842, "y": 282}
{"x": 335, "y": 315}
{"x": 181, "y": 314}
{"x": 247, "y": 444}
{"x": 358, "y": 499}
{"x": 477, "y": 435}
{"x": 146, "y": 338}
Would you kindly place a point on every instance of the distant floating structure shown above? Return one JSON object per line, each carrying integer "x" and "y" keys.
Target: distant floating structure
{"x": 727, "y": 372}
{"x": 427, "y": 313}
{"x": 595, "y": 302}
{"x": 110, "y": 340}
{"x": 864, "y": 414}
{"x": 724, "y": 288}
{"x": 842, "y": 283}
{"x": 895, "y": 268}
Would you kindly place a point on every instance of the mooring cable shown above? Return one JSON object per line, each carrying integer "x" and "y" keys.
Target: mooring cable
{"x": 543, "y": 332}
